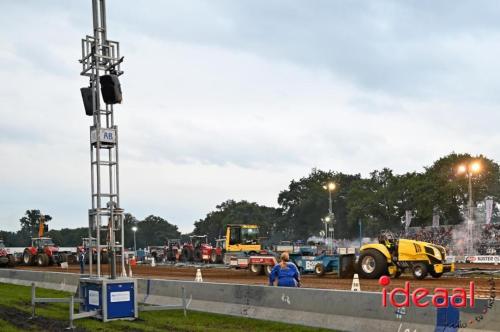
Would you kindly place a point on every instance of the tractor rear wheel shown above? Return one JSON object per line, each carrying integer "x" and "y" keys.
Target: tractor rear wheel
{"x": 187, "y": 255}
{"x": 27, "y": 258}
{"x": 170, "y": 255}
{"x": 42, "y": 259}
{"x": 319, "y": 270}
{"x": 371, "y": 264}
{"x": 255, "y": 269}
{"x": 198, "y": 257}
{"x": 419, "y": 271}
{"x": 12, "y": 261}
{"x": 213, "y": 257}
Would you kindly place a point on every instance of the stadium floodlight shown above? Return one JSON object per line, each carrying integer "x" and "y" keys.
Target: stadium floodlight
{"x": 134, "y": 229}
{"x": 462, "y": 169}
{"x": 475, "y": 167}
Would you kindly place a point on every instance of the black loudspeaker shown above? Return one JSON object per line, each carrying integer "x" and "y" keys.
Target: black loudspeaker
{"x": 45, "y": 228}
{"x": 111, "y": 89}
{"x": 87, "y": 101}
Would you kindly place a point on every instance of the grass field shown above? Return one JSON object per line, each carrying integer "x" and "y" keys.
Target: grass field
{"x": 15, "y": 312}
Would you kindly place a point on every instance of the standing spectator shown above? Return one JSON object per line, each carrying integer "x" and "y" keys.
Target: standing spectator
{"x": 81, "y": 258}
{"x": 286, "y": 273}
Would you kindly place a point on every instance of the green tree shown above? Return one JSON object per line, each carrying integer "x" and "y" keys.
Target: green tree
{"x": 30, "y": 222}
{"x": 305, "y": 203}
{"x": 242, "y": 212}
{"x": 154, "y": 230}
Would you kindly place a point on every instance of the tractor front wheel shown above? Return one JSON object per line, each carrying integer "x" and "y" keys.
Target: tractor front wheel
{"x": 420, "y": 271}
{"x": 372, "y": 264}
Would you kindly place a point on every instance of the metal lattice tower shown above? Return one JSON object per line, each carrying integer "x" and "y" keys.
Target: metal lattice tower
{"x": 101, "y": 56}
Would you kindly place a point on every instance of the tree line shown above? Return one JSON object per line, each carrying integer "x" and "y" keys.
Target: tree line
{"x": 152, "y": 230}
{"x": 378, "y": 202}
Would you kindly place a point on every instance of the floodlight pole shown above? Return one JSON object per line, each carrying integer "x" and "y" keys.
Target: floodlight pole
{"x": 101, "y": 56}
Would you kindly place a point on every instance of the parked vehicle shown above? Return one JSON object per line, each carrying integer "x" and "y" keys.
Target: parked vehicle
{"x": 341, "y": 264}
{"x": 217, "y": 254}
{"x": 6, "y": 258}
{"x": 197, "y": 249}
{"x": 43, "y": 252}
{"x": 244, "y": 250}
{"x": 173, "y": 250}
{"x": 157, "y": 252}
{"x": 88, "y": 243}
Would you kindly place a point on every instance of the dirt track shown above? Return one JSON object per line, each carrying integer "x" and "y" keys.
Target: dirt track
{"x": 227, "y": 275}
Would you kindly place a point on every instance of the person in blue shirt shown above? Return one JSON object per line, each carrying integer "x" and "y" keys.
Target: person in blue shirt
{"x": 286, "y": 273}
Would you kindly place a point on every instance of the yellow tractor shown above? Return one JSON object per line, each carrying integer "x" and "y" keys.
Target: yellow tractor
{"x": 242, "y": 238}
{"x": 391, "y": 256}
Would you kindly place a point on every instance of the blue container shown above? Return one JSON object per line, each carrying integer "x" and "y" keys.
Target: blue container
{"x": 120, "y": 300}
{"x": 115, "y": 298}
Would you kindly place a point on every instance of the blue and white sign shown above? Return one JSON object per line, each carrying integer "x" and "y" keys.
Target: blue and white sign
{"x": 107, "y": 136}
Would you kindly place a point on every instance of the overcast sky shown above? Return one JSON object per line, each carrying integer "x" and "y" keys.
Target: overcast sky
{"x": 233, "y": 99}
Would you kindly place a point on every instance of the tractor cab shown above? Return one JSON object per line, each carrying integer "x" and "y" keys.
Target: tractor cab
{"x": 220, "y": 243}
{"x": 242, "y": 238}
{"x": 89, "y": 242}
{"x": 198, "y": 240}
{"x": 388, "y": 239}
{"x": 42, "y": 242}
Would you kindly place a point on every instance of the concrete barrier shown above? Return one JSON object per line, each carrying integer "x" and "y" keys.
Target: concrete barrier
{"x": 340, "y": 310}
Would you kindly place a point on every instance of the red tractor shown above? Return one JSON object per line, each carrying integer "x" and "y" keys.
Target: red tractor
{"x": 173, "y": 250}
{"x": 217, "y": 254}
{"x": 6, "y": 258}
{"x": 197, "y": 249}
{"x": 43, "y": 252}
{"x": 88, "y": 243}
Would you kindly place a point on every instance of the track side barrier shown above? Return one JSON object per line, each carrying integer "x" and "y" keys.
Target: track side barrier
{"x": 340, "y": 310}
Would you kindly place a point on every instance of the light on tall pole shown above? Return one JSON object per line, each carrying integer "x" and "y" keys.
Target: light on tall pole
{"x": 134, "y": 229}
{"x": 469, "y": 169}
{"x": 330, "y": 218}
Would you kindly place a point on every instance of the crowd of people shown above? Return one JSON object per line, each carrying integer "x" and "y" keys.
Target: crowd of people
{"x": 437, "y": 235}
{"x": 489, "y": 243}
{"x": 487, "y": 237}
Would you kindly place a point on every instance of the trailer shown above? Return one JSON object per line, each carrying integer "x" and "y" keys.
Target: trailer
{"x": 258, "y": 263}
{"x": 341, "y": 264}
